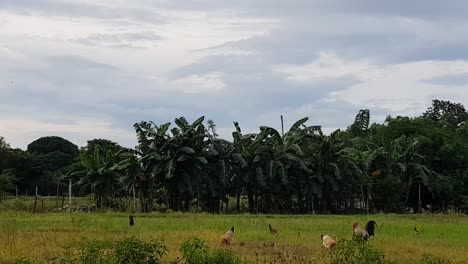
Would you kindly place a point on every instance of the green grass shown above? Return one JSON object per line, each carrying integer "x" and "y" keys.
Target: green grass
{"x": 43, "y": 237}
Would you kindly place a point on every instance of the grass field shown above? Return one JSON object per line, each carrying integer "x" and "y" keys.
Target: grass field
{"x": 43, "y": 237}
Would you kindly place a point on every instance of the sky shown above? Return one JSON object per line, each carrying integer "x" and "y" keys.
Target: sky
{"x": 84, "y": 69}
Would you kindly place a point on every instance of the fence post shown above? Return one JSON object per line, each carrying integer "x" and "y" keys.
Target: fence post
{"x": 69, "y": 195}
{"x": 35, "y": 202}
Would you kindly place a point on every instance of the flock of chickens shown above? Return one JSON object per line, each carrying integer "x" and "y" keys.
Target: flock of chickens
{"x": 365, "y": 234}
{"x": 327, "y": 241}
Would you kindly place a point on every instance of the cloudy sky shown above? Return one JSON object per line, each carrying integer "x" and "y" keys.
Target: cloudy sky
{"x": 84, "y": 69}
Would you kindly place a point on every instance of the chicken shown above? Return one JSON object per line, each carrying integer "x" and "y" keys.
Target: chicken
{"x": 273, "y": 231}
{"x": 417, "y": 231}
{"x": 131, "y": 221}
{"x": 227, "y": 238}
{"x": 327, "y": 241}
{"x": 370, "y": 227}
{"x": 367, "y": 232}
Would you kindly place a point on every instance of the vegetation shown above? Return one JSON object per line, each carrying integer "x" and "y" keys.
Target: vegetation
{"x": 129, "y": 250}
{"x": 356, "y": 251}
{"x": 195, "y": 251}
{"x": 52, "y": 237}
{"x": 403, "y": 165}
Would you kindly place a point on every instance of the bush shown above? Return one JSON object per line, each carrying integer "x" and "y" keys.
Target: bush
{"x": 130, "y": 250}
{"x": 22, "y": 260}
{"x": 135, "y": 251}
{"x": 195, "y": 251}
{"x": 430, "y": 259}
{"x": 90, "y": 251}
{"x": 357, "y": 251}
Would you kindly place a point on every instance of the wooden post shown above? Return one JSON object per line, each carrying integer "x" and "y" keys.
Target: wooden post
{"x": 69, "y": 195}
{"x": 134, "y": 198}
{"x": 313, "y": 208}
{"x": 419, "y": 198}
{"x": 367, "y": 204}
{"x": 58, "y": 191}
{"x": 63, "y": 202}
{"x": 16, "y": 191}
{"x": 282, "y": 126}
{"x": 35, "y": 202}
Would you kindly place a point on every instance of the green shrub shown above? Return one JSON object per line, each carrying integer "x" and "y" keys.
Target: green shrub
{"x": 357, "y": 251}
{"x": 90, "y": 251}
{"x": 22, "y": 260}
{"x": 220, "y": 256}
{"x": 130, "y": 250}
{"x": 195, "y": 251}
{"x": 20, "y": 205}
{"x": 431, "y": 259}
{"x": 135, "y": 251}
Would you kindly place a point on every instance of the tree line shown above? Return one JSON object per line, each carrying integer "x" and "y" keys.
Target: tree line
{"x": 405, "y": 164}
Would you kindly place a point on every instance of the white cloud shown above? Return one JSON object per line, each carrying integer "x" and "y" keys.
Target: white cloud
{"x": 21, "y": 131}
{"x": 327, "y": 65}
{"x": 196, "y": 83}
{"x": 401, "y": 88}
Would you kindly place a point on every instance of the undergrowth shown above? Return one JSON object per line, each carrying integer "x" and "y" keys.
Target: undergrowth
{"x": 195, "y": 251}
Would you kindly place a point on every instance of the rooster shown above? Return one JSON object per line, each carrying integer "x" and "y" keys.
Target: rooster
{"x": 367, "y": 232}
{"x": 273, "y": 231}
{"x": 370, "y": 227}
{"x": 327, "y": 241}
{"x": 227, "y": 238}
{"x": 131, "y": 221}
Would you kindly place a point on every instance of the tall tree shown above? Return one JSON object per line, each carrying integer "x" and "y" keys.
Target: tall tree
{"x": 447, "y": 113}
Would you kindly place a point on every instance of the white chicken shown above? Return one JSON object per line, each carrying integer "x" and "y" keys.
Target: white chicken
{"x": 367, "y": 232}
{"x": 327, "y": 241}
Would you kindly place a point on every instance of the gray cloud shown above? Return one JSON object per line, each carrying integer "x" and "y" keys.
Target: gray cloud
{"x": 455, "y": 80}
{"x": 77, "y": 9}
{"x": 425, "y": 9}
{"x": 223, "y": 60}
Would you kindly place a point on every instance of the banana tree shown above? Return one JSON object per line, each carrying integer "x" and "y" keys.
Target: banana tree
{"x": 249, "y": 178}
{"x": 284, "y": 166}
{"x": 98, "y": 176}
{"x": 140, "y": 165}
{"x": 406, "y": 161}
{"x": 323, "y": 160}
{"x": 179, "y": 161}
{"x": 359, "y": 162}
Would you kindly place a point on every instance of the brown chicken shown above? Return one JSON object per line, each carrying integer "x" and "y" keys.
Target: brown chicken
{"x": 227, "y": 238}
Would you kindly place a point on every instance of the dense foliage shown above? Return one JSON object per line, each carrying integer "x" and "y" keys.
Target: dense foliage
{"x": 129, "y": 250}
{"x": 405, "y": 164}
